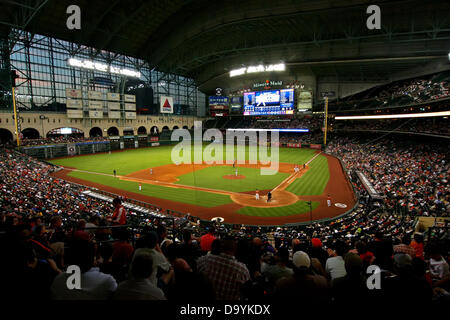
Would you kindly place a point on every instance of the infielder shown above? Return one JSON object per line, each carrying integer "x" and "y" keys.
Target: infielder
{"x": 257, "y": 194}
{"x": 329, "y": 201}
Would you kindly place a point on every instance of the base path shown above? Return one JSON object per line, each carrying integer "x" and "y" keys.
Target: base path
{"x": 338, "y": 187}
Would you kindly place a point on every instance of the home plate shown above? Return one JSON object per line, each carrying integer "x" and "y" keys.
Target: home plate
{"x": 341, "y": 205}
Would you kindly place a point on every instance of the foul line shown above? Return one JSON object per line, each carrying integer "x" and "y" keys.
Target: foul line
{"x": 293, "y": 176}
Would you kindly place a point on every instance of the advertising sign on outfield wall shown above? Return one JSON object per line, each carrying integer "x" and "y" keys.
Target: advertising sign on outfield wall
{"x": 315, "y": 146}
{"x": 294, "y": 145}
{"x": 166, "y": 104}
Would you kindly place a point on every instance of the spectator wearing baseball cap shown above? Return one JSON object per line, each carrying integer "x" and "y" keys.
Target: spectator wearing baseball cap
{"x": 304, "y": 285}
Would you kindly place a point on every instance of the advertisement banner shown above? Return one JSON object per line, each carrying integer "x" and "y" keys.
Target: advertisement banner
{"x": 73, "y": 93}
{"x": 166, "y": 104}
{"x": 74, "y": 113}
{"x": 154, "y": 138}
{"x": 315, "y": 146}
{"x": 294, "y": 145}
{"x": 130, "y": 115}
{"x": 114, "y": 114}
{"x": 129, "y": 98}
{"x": 74, "y": 103}
{"x": 130, "y": 107}
{"x": 95, "y": 114}
{"x": 113, "y": 105}
{"x": 95, "y": 95}
{"x": 95, "y": 104}
{"x": 112, "y": 96}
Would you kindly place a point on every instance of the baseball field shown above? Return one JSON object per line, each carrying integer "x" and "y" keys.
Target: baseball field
{"x": 220, "y": 190}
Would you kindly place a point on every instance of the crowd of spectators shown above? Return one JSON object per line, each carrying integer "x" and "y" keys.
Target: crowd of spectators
{"x": 404, "y": 92}
{"x": 44, "y": 229}
{"x": 413, "y": 177}
{"x": 59, "y": 139}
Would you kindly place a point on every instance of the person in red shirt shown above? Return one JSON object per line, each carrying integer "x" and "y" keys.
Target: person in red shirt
{"x": 120, "y": 215}
{"x": 207, "y": 240}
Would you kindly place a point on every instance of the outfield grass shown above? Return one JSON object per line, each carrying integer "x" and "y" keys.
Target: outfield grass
{"x": 212, "y": 177}
{"x": 200, "y": 198}
{"x": 133, "y": 160}
{"x": 314, "y": 181}
{"x": 293, "y": 209}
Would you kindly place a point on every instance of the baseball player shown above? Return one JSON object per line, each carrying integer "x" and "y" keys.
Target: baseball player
{"x": 257, "y": 194}
{"x": 329, "y": 201}
{"x": 269, "y": 196}
{"x": 236, "y": 172}
{"x": 114, "y": 171}
{"x": 151, "y": 170}
{"x": 140, "y": 187}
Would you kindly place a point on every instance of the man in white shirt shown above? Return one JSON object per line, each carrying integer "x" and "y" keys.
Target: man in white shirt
{"x": 335, "y": 266}
{"x": 94, "y": 285}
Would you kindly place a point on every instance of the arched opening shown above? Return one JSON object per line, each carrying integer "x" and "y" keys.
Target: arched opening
{"x": 128, "y": 132}
{"x": 154, "y": 130}
{"x": 95, "y": 132}
{"x": 142, "y": 130}
{"x": 65, "y": 133}
{"x": 30, "y": 133}
{"x": 5, "y": 136}
{"x": 175, "y": 127}
{"x": 113, "y": 131}
{"x": 186, "y": 127}
{"x": 165, "y": 128}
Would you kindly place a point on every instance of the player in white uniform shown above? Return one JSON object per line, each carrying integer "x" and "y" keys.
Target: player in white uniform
{"x": 257, "y": 195}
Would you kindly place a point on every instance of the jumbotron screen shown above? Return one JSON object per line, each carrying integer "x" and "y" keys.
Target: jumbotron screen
{"x": 269, "y": 102}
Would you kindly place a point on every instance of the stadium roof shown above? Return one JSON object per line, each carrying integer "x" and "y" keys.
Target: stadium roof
{"x": 204, "y": 39}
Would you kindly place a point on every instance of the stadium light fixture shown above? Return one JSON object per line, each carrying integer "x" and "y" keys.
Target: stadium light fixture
{"x": 396, "y": 116}
{"x": 98, "y": 66}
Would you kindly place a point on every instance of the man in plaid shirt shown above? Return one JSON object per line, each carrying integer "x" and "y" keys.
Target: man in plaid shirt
{"x": 405, "y": 247}
{"x": 226, "y": 274}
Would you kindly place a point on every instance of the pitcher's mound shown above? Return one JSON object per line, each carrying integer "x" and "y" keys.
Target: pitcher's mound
{"x": 234, "y": 177}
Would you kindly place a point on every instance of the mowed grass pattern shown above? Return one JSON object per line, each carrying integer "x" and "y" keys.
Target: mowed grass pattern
{"x": 200, "y": 198}
{"x": 293, "y": 209}
{"x": 212, "y": 177}
{"x": 133, "y": 160}
{"x": 314, "y": 181}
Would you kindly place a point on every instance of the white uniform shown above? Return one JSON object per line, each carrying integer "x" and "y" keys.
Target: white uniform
{"x": 236, "y": 172}
{"x": 257, "y": 196}
{"x": 140, "y": 187}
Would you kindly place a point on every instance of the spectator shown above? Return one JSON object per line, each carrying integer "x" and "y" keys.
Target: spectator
{"x": 207, "y": 240}
{"x": 225, "y": 273}
{"x": 95, "y": 285}
{"x": 139, "y": 287}
{"x": 335, "y": 266}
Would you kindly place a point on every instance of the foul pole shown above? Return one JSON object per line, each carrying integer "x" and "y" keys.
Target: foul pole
{"x": 325, "y": 122}
{"x": 15, "y": 116}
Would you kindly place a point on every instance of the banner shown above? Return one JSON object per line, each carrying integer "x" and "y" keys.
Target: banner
{"x": 129, "y": 98}
{"x": 95, "y": 114}
{"x": 74, "y": 103}
{"x": 95, "y": 104}
{"x": 73, "y": 113}
{"x": 112, "y": 96}
{"x": 294, "y": 145}
{"x": 154, "y": 138}
{"x": 130, "y": 115}
{"x": 166, "y": 104}
{"x": 96, "y": 95}
{"x": 113, "y": 105}
{"x": 73, "y": 93}
{"x": 315, "y": 146}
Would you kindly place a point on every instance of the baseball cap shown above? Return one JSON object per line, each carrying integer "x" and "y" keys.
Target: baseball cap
{"x": 301, "y": 259}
